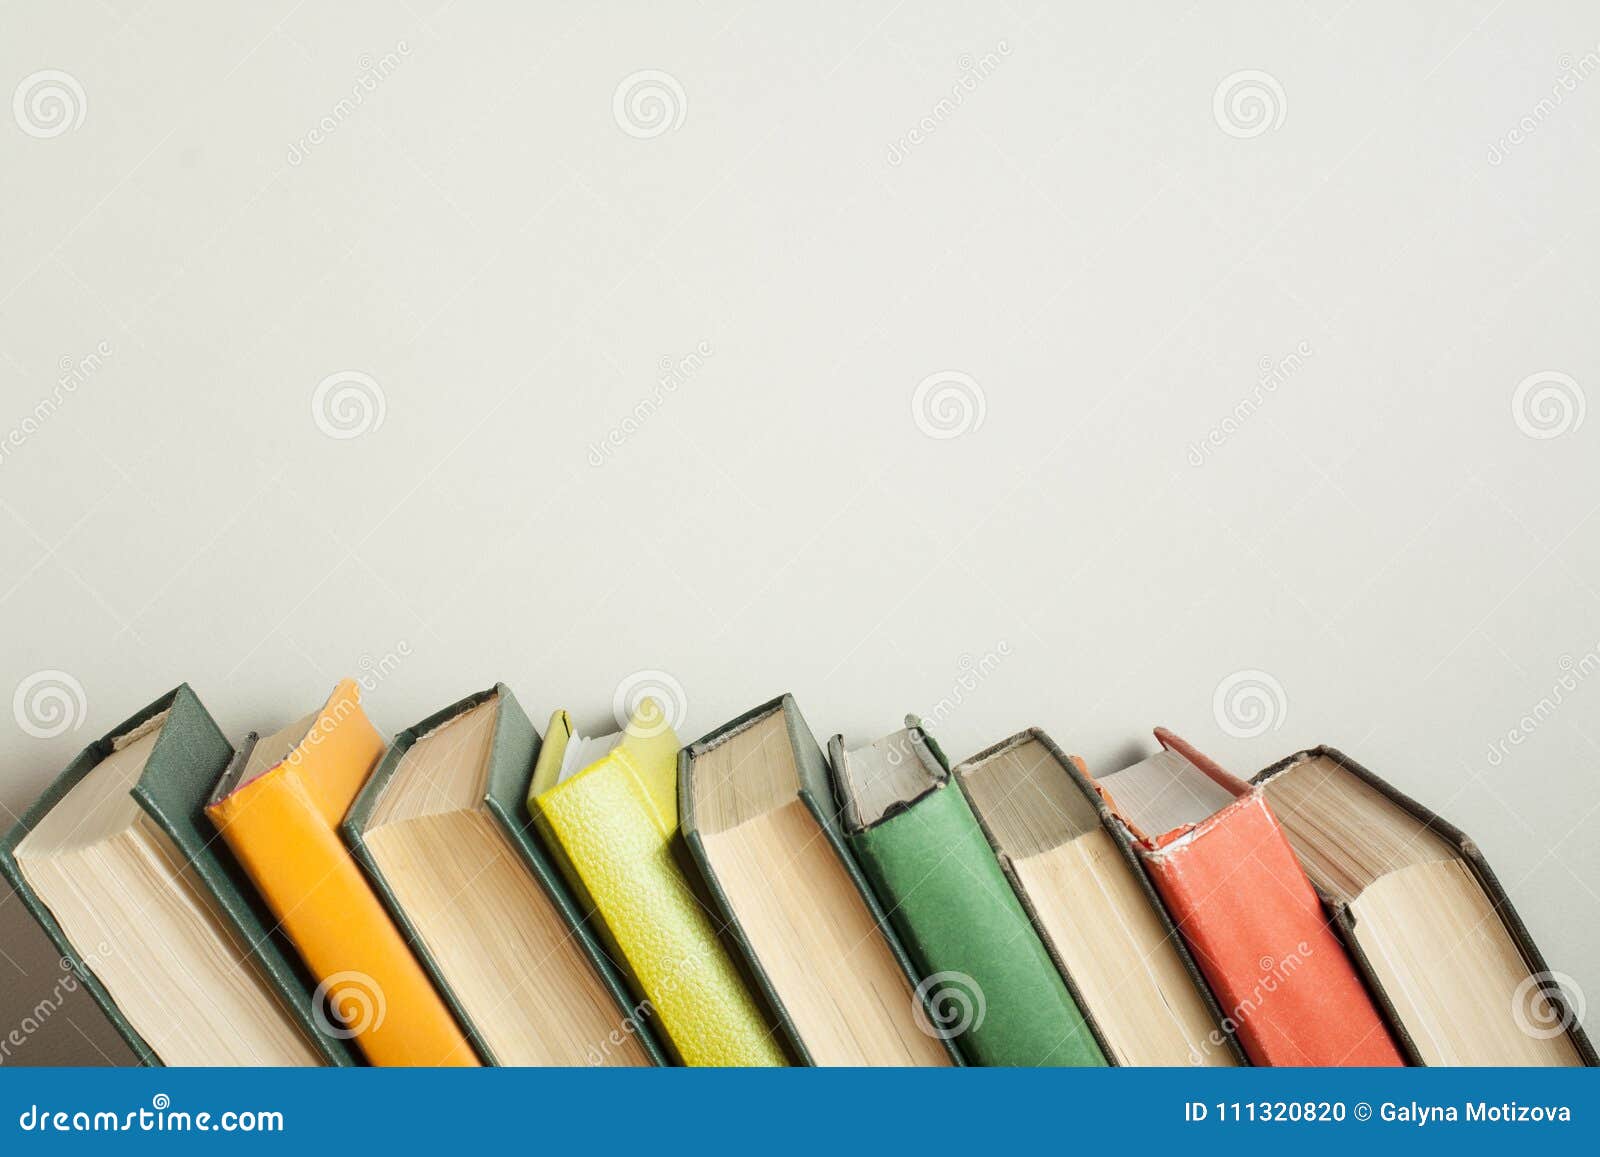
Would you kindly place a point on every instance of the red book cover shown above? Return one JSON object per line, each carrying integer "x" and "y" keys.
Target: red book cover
{"x": 1258, "y": 931}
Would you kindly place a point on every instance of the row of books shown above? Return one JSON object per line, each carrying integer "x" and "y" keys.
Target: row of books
{"x": 475, "y": 893}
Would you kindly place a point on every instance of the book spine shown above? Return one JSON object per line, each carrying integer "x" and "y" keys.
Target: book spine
{"x": 517, "y": 746}
{"x": 1259, "y": 934}
{"x": 989, "y": 984}
{"x": 603, "y": 830}
{"x": 370, "y": 986}
{"x": 178, "y": 777}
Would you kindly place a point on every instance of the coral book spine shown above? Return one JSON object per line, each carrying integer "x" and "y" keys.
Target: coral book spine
{"x": 1259, "y": 934}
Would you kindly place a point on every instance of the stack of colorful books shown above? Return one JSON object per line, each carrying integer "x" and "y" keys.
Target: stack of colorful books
{"x": 476, "y": 893}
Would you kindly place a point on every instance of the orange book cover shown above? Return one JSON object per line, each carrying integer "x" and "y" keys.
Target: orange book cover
{"x": 1258, "y": 930}
{"x": 279, "y": 808}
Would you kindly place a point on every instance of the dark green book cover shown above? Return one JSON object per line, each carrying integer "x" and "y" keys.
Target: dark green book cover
{"x": 815, "y": 789}
{"x": 177, "y": 779}
{"x": 989, "y": 984}
{"x": 515, "y": 751}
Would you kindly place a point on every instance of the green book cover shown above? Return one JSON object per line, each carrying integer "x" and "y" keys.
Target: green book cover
{"x": 989, "y": 984}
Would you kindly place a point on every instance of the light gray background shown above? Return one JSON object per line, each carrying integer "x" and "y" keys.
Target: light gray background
{"x": 1106, "y": 249}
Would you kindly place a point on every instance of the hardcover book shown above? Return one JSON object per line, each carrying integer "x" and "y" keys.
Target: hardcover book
{"x": 442, "y": 828}
{"x": 1140, "y": 991}
{"x": 762, "y": 825}
{"x": 278, "y": 806}
{"x": 1424, "y": 918}
{"x": 163, "y": 929}
{"x": 607, "y": 809}
{"x": 1225, "y": 870}
{"x": 991, "y": 985}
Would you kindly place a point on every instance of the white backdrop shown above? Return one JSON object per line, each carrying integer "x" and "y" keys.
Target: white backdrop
{"x": 1221, "y": 369}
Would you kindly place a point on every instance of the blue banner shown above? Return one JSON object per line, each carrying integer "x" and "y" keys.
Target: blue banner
{"x": 796, "y": 1111}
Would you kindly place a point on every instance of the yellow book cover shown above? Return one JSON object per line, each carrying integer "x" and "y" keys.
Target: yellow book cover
{"x": 279, "y": 809}
{"x": 607, "y": 809}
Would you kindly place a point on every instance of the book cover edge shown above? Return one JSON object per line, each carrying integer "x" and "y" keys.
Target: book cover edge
{"x": 1464, "y": 846}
